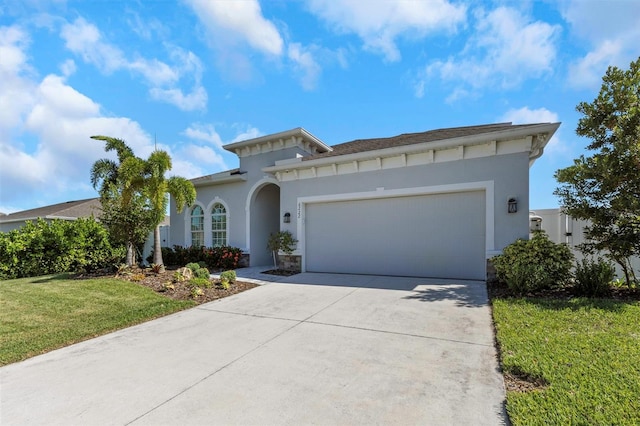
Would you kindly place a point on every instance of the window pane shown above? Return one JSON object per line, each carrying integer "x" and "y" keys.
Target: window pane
{"x": 218, "y": 225}
{"x": 197, "y": 226}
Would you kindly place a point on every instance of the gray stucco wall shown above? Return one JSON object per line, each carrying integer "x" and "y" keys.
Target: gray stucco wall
{"x": 510, "y": 174}
{"x": 234, "y": 195}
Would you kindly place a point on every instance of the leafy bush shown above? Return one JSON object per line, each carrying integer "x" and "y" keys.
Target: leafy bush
{"x": 200, "y": 282}
{"x": 535, "y": 264}
{"x": 214, "y": 258}
{"x": 201, "y": 273}
{"x": 229, "y": 276}
{"x": 593, "y": 277}
{"x": 193, "y": 266}
{"x": 42, "y": 247}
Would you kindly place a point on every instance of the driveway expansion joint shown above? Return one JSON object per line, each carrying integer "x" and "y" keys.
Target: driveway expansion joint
{"x": 297, "y": 323}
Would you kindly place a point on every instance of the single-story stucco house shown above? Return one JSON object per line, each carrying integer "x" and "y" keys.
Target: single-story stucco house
{"x": 432, "y": 204}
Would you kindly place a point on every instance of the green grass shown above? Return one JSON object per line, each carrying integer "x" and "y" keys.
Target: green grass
{"x": 587, "y": 350}
{"x": 40, "y": 314}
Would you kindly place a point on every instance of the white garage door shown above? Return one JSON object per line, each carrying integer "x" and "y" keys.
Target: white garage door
{"x": 438, "y": 235}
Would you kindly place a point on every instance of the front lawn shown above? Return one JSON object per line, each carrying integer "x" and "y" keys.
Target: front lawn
{"x": 570, "y": 361}
{"x": 45, "y": 313}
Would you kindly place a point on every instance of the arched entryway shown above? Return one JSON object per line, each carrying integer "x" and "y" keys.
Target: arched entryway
{"x": 264, "y": 219}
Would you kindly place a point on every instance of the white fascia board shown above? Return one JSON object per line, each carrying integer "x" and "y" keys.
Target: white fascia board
{"x": 220, "y": 179}
{"x": 503, "y": 135}
{"x": 297, "y": 132}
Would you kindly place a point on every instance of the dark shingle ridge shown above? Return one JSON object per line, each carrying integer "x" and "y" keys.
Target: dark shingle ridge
{"x": 78, "y": 208}
{"x": 362, "y": 145}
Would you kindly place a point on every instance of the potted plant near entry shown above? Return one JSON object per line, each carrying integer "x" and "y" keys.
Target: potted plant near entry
{"x": 281, "y": 241}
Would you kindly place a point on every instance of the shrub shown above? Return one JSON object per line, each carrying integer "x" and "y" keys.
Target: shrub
{"x": 229, "y": 276}
{"x": 193, "y": 266}
{"x": 535, "y": 264}
{"x": 201, "y": 273}
{"x": 196, "y": 291}
{"x": 42, "y": 247}
{"x": 182, "y": 274}
{"x": 224, "y": 283}
{"x": 200, "y": 282}
{"x": 215, "y": 258}
{"x": 593, "y": 277}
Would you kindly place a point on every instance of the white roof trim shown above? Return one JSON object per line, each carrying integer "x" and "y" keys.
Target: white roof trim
{"x": 542, "y": 132}
{"x": 272, "y": 139}
{"x": 219, "y": 178}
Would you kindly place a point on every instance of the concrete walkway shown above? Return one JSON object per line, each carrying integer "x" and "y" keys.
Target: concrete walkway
{"x": 309, "y": 349}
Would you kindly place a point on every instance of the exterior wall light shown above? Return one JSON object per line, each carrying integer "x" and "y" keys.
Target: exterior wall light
{"x": 286, "y": 218}
{"x": 512, "y": 205}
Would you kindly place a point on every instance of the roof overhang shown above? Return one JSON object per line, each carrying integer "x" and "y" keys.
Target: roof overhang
{"x": 298, "y": 137}
{"x": 540, "y": 135}
{"x": 219, "y": 178}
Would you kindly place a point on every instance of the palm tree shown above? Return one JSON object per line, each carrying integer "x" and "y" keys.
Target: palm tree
{"x": 158, "y": 188}
{"x": 125, "y": 213}
{"x": 141, "y": 189}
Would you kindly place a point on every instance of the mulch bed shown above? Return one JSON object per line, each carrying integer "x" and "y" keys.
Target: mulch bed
{"x": 498, "y": 290}
{"x": 179, "y": 290}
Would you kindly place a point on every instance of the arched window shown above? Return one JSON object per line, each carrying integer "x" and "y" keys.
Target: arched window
{"x": 197, "y": 227}
{"x": 218, "y": 225}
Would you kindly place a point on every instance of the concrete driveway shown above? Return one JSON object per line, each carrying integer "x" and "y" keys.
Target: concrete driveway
{"x": 311, "y": 349}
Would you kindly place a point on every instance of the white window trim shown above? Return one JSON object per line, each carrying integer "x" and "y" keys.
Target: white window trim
{"x": 208, "y": 223}
{"x": 486, "y": 186}
{"x": 187, "y": 223}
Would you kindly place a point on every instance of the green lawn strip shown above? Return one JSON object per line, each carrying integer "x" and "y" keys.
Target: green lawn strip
{"x": 40, "y": 314}
{"x": 587, "y": 350}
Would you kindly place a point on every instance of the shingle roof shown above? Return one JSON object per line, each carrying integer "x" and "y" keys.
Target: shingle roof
{"x": 69, "y": 209}
{"x": 362, "y": 145}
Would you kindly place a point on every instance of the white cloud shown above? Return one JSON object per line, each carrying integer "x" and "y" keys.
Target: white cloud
{"x": 84, "y": 39}
{"x": 305, "y": 65}
{"x": 45, "y": 126}
{"x": 205, "y": 133}
{"x": 507, "y": 49}
{"x": 380, "y": 23}
{"x": 239, "y": 21}
{"x": 203, "y": 154}
{"x": 16, "y": 89}
{"x": 611, "y": 33}
{"x": 246, "y": 134}
{"x": 196, "y": 100}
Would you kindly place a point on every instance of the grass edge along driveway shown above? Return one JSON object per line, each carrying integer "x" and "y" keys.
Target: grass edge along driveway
{"x": 585, "y": 352}
{"x": 41, "y": 314}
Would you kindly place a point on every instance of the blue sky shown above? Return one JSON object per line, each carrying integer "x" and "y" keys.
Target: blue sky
{"x": 194, "y": 75}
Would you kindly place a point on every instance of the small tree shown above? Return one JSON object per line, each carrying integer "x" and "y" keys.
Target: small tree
{"x": 604, "y": 188}
{"x": 281, "y": 241}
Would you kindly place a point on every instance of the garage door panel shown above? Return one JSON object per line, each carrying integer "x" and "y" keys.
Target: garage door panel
{"x": 440, "y": 235}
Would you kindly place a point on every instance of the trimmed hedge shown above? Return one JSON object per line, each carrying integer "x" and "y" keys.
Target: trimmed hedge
{"x": 41, "y": 248}
{"x": 215, "y": 258}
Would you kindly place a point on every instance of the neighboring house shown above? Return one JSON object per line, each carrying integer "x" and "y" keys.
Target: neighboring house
{"x": 432, "y": 204}
{"x": 72, "y": 210}
{"x": 562, "y": 228}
